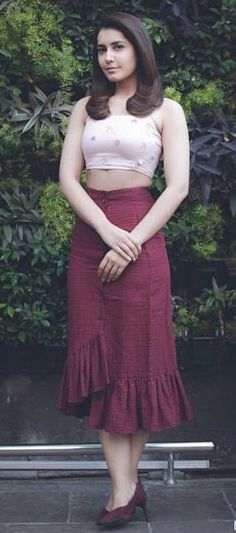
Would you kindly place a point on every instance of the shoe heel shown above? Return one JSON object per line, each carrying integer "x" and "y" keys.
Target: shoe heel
{"x": 144, "y": 508}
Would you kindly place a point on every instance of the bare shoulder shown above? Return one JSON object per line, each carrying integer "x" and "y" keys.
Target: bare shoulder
{"x": 79, "y": 109}
{"x": 169, "y": 110}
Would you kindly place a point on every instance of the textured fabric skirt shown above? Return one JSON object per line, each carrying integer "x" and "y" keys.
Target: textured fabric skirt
{"x": 121, "y": 369}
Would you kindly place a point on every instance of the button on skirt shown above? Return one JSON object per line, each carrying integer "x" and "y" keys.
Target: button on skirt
{"x": 121, "y": 369}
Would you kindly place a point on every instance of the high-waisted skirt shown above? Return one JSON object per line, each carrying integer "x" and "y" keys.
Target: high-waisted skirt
{"x": 121, "y": 368}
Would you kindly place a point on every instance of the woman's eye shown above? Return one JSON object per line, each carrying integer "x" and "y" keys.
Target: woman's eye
{"x": 101, "y": 50}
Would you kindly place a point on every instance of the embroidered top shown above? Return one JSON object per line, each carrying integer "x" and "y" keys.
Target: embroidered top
{"x": 122, "y": 142}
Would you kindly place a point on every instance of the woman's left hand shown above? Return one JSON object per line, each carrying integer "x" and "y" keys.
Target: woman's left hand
{"x": 112, "y": 266}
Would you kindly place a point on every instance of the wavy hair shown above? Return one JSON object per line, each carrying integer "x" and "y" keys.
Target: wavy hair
{"x": 149, "y": 94}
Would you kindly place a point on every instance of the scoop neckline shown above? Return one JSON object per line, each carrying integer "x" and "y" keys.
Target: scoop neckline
{"x": 127, "y": 115}
{"x": 115, "y": 115}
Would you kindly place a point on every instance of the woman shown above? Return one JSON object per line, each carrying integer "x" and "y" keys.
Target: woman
{"x": 121, "y": 367}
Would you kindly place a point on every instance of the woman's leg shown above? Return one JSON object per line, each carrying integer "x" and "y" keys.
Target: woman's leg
{"x": 122, "y": 453}
{"x": 117, "y": 451}
{"x": 137, "y": 443}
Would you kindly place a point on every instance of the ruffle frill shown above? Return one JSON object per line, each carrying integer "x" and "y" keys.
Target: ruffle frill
{"x": 85, "y": 372}
{"x": 120, "y": 404}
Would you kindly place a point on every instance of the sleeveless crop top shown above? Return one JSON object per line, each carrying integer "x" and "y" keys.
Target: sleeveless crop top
{"x": 122, "y": 142}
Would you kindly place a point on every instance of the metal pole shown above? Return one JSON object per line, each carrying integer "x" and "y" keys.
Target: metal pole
{"x": 70, "y": 449}
{"x": 95, "y": 448}
{"x": 170, "y": 479}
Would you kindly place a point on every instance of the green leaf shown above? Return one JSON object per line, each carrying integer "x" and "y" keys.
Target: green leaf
{"x": 20, "y": 231}
{"x": 21, "y": 335}
{"x": 46, "y": 323}
{"x": 10, "y": 311}
{"x": 7, "y": 232}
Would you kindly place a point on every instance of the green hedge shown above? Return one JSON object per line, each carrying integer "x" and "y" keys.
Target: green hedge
{"x": 32, "y": 273}
{"x": 45, "y": 66}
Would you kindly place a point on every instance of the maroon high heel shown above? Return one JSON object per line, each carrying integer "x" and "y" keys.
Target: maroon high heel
{"x": 123, "y": 514}
{"x": 143, "y": 502}
{"x": 104, "y": 511}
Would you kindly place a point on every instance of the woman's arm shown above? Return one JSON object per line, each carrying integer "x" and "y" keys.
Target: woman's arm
{"x": 176, "y": 167}
{"x": 71, "y": 166}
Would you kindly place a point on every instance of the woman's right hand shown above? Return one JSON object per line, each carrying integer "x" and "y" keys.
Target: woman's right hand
{"x": 120, "y": 240}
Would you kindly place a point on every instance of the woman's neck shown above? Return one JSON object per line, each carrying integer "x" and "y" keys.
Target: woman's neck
{"x": 126, "y": 88}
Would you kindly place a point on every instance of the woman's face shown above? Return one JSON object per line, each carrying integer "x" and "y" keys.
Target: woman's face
{"x": 116, "y": 55}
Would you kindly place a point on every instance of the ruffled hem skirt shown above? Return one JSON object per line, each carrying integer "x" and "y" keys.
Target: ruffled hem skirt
{"x": 121, "y": 368}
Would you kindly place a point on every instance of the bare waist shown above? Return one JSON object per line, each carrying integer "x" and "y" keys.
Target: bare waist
{"x": 113, "y": 179}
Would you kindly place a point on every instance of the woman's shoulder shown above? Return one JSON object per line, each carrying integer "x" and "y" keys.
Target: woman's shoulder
{"x": 80, "y": 108}
{"x": 168, "y": 109}
{"x": 170, "y": 106}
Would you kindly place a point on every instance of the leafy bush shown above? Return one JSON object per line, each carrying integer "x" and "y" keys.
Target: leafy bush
{"x": 12, "y": 153}
{"x": 42, "y": 111}
{"x": 208, "y": 230}
{"x": 32, "y": 36}
{"x": 46, "y": 146}
{"x": 57, "y": 214}
{"x": 196, "y": 231}
{"x": 210, "y": 96}
{"x": 49, "y": 44}
{"x": 213, "y": 303}
{"x": 183, "y": 318}
{"x": 213, "y": 159}
{"x": 10, "y": 144}
{"x": 32, "y": 274}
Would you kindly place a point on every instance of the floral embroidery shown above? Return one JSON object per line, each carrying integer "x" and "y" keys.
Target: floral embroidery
{"x": 143, "y": 145}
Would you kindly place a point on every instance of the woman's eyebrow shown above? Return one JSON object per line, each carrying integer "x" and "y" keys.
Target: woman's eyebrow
{"x": 114, "y": 42}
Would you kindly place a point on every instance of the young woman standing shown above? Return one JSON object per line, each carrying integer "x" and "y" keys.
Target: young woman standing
{"x": 121, "y": 369}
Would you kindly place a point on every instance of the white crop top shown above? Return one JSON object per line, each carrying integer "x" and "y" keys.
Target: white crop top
{"x": 122, "y": 142}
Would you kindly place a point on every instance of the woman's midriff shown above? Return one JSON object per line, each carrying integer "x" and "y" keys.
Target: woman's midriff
{"x": 112, "y": 179}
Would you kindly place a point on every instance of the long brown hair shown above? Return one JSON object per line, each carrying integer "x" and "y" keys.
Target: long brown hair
{"x": 149, "y": 94}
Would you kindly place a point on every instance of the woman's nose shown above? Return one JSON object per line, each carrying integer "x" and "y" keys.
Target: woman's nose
{"x": 109, "y": 55}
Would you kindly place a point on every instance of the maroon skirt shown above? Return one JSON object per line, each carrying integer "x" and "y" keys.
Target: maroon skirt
{"x": 121, "y": 369}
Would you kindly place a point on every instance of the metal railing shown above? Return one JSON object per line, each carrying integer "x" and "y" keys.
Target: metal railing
{"x": 168, "y": 466}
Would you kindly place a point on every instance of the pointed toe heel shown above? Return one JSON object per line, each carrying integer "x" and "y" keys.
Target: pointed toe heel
{"x": 121, "y": 515}
{"x": 143, "y": 504}
{"x": 101, "y": 515}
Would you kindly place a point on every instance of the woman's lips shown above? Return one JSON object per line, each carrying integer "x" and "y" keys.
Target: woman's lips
{"x": 112, "y": 69}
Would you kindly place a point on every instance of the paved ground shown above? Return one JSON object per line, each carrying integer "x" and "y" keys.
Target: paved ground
{"x": 70, "y": 505}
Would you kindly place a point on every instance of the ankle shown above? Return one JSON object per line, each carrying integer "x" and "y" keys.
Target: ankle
{"x": 135, "y": 477}
{"x": 123, "y": 492}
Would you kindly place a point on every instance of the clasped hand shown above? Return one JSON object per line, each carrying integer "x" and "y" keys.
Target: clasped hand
{"x": 124, "y": 248}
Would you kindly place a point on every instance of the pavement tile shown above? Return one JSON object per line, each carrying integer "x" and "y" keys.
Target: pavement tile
{"x": 30, "y": 507}
{"x": 71, "y": 506}
{"x": 178, "y": 503}
{"x": 210, "y": 526}
{"x": 231, "y": 497}
{"x": 68, "y": 528}
{"x": 86, "y": 505}
{"x": 58, "y": 484}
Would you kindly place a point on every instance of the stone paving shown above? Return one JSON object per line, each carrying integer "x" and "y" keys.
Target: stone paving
{"x": 70, "y": 505}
